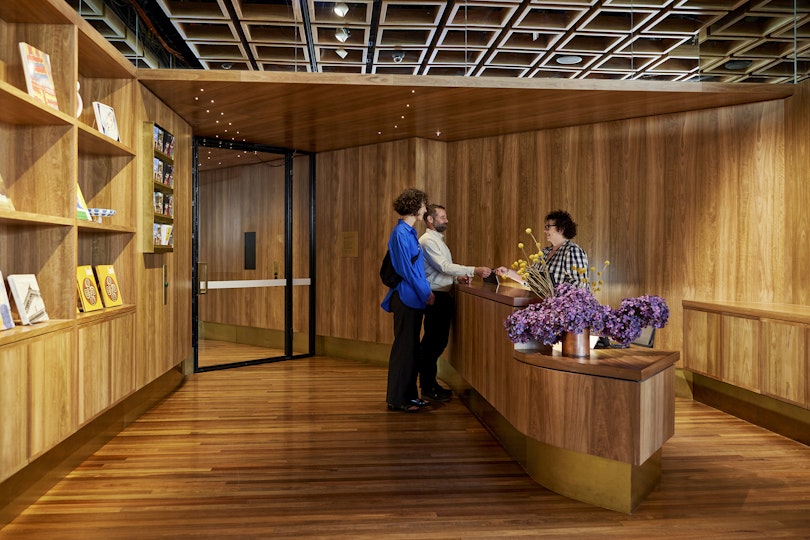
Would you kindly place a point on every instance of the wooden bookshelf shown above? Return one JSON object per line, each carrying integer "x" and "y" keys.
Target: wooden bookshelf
{"x": 157, "y": 180}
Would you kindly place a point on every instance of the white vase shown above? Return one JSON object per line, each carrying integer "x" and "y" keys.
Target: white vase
{"x": 80, "y": 103}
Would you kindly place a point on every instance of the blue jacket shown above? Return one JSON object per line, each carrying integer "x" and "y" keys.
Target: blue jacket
{"x": 414, "y": 289}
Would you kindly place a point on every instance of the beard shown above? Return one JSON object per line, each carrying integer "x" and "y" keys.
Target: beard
{"x": 441, "y": 228}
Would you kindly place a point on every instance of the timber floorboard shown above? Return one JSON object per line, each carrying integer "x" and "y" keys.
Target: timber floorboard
{"x": 306, "y": 449}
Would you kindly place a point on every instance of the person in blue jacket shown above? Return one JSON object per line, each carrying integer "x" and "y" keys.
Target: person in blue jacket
{"x": 407, "y": 301}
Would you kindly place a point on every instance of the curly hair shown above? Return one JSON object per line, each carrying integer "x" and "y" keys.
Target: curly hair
{"x": 410, "y": 202}
{"x": 562, "y": 220}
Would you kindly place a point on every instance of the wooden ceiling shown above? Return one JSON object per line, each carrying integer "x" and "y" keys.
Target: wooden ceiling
{"x": 322, "y": 112}
{"x": 759, "y": 41}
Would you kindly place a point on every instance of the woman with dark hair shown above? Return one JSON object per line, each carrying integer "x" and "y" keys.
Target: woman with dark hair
{"x": 563, "y": 257}
{"x": 407, "y": 301}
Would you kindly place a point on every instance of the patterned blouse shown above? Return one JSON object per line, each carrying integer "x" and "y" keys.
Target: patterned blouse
{"x": 560, "y": 266}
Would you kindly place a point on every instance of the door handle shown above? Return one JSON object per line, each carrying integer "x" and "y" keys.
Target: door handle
{"x": 202, "y": 273}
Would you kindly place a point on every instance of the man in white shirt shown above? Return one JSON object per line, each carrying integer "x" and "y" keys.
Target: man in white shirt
{"x": 441, "y": 273}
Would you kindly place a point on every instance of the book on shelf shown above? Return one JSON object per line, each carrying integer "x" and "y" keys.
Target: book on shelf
{"x": 157, "y": 138}
{"x": 89, "y": 297}
{"x": 168, "y": 175}
{"x": 157, "y": 170}
{"x": 168, "y": 144}
{"x": 158, "y": 195}
{"x": 5, "y": 200}
{"x": 105, "y": 118}
{"x": 108, "y": 285}
{"x": 168, "y": 205}
{"x": 28, "y": 300}
{"x": 38, "y": 74}
{"x": 81, "y": 206}
{"x": 163, "y": 234}
{"x": 6, "y": 320}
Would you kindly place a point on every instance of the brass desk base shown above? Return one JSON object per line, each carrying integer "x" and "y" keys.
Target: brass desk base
{"x": 591, "y": 479}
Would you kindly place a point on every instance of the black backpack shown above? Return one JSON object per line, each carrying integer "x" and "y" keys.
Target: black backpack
{"x": 388, "y": 274}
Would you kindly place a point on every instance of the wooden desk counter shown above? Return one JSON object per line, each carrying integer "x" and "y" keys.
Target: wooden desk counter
{"x": 591, "y": 429}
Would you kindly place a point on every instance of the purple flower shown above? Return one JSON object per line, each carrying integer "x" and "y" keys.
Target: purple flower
{"x": 625, "y": 324}
{"x": 571, "y": 309}
{"x": 574, "y": 309}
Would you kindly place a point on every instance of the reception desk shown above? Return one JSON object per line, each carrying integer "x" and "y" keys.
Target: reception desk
{"x": 590, "y": 429}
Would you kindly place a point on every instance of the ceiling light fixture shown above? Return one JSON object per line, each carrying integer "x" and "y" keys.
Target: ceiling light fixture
{"x": 342, "y": 53}
{"x": 342, "y": 35}
{"x": 341, "y": 9}
{"x": 737, "y": 64}
{"x": 568, "y": 59}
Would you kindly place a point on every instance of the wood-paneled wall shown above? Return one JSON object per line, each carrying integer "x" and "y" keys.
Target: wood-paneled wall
{"x": 706, "y": 204}
{"x": 355, "y": 191}
{"x": 165, "y": 328}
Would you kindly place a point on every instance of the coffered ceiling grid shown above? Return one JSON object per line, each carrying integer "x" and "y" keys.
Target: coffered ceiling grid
{"x": 664, "y": 40}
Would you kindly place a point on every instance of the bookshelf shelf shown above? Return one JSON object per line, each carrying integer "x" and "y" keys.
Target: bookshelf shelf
{"x": 20, "y": 109}
{"x": 92, "y": 141}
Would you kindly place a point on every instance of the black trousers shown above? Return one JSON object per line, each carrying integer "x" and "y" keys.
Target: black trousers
{"x": 402, "y": 363}
{"x": 438, "y": 318}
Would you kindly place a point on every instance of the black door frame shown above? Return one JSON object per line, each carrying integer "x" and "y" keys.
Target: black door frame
{"x": 289, "y": 154}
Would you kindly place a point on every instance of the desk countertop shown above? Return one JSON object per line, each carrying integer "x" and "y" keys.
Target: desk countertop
{"x": 630, "y": 364}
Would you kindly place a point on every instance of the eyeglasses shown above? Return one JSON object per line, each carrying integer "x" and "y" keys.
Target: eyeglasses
{"x": 547, "y": 227}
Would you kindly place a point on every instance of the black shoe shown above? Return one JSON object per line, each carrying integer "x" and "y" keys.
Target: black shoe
{"x": 420, "y": 402}
{"x": 410, "y": 408}
{"x": 437, "y": 393}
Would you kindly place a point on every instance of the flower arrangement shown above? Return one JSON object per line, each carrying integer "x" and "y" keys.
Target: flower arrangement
{"x": 625, "y": 324}
{"x": 570, "y": 309}
{"x": 533, "y": 269}
{"x": 535, "y": 273}
{"x": 573, "y": 309}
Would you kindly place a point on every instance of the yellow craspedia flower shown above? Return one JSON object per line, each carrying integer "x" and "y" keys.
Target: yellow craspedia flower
{"x": 593, "y": 269}
{"x": 607, "y": 263}
{"x": 514, "y": 265}
{"x": 528, "y": 230}
{"x": 523, "y": 264}
{"x": 600, "y": 282}
{"x": 520, "y": 245}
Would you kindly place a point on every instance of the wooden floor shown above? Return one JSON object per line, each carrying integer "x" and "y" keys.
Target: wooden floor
{"x": 306, "y": 449}
{"x": 217, "y": 353}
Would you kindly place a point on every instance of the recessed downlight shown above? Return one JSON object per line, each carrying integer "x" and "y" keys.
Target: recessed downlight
{"x": 568, "y": 59}
{"x": 737, "y": 64}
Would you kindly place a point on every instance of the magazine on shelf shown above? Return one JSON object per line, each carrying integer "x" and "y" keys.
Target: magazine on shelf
{"x": 157, "y": 169}
{"x": 28, "y": 300}
{"x": 38, "y": 74}
{"x": 89, "y": 297}
{"x": 165, "y": 235}
{"x": 108, "y": 285}
{"x": 105, "y": 119}
{"x": 158, "y": 202}
{"x": 6, "y": 320}
{"x": 5, "y": 200}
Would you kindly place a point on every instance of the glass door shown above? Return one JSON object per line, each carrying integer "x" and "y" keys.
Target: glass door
{"x": 253, "y": 254}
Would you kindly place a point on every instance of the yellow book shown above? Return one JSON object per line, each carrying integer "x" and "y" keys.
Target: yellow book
{"x": 108, "y": 284}
{"x": 88, "y": 290}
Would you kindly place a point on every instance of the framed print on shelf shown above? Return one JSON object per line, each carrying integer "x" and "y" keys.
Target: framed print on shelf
{"x": 105, "y": 119}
